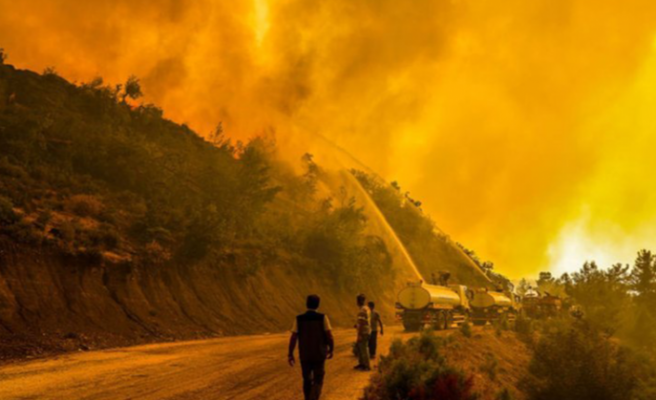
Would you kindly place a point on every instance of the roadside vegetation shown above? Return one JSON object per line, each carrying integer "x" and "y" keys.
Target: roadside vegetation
{"x": 418, "y": 370}
{"x": 603, "y": 347}
{"x": 480, "y": 365}
{"x": 574, "y": 360}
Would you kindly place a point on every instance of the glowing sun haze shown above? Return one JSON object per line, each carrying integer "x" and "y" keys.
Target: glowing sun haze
{"x": 526, "y": 127}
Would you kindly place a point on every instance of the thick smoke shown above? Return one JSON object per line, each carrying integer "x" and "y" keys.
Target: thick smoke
{"x": 524, "y": 126}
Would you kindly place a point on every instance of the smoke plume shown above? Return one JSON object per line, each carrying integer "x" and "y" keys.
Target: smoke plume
{"x": 525, "y": 127}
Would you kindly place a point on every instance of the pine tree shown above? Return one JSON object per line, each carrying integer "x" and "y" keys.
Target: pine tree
{"x": 522, "y": 287}
{"x": 643, "y": 277}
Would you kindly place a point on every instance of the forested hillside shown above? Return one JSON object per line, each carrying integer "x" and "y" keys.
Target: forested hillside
{"x": 431, "y": 249}
{"x": 118, "y": 225}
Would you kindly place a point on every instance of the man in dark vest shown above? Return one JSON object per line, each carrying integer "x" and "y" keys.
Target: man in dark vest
{"x": 315, "y": 344}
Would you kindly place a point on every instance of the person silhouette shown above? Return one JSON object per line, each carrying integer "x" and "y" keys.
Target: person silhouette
{"x": 313, "y": 333}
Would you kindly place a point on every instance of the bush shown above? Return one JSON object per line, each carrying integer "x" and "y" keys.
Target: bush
{"x": 50, "y": 71}
{"x": 7, "y": 214}
{"x": 504, "y": 395}
{"x": 67, "y": 231}
{"x": 524, "y": 328}
{"x": 105, "y": 236}
{"x": 11, "y": 170}
{"x": 577, "y": 362}
{"x": 466, "y": 329}
{"x": 24, "y": 232}
{"x": 490, "y": 366}
{"x": 416, "y": 370}
{"x": 503, "y": 323}
{"x": 156, "y": 254}
{"x": 85, "y": 205}
{"x": 44, "y": 218}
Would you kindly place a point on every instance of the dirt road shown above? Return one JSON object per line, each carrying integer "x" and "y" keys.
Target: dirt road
{"x": 240, "y": 368}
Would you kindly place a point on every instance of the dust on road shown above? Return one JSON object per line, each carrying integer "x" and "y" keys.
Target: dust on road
{"x": 240, "y": 368}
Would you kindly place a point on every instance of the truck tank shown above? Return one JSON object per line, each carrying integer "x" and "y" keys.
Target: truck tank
{"x": 489, "y": 306}
{"x": 490, "y": 299}
{"x": 417, "y": 296}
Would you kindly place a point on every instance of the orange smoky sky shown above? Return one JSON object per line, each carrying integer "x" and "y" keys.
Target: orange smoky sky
{"x": 527, "y": 128}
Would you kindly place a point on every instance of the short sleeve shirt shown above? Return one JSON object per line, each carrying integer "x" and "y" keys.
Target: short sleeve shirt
{"x": 375, "y": 321}
{"x": 326, "y": 325}
{"x": 364, "y": 321}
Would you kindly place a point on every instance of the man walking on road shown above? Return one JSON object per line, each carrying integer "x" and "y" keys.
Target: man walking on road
{"x": 315, "y": 344}
{"x": 363, "y": 326}
{"x": 375, "y": 323}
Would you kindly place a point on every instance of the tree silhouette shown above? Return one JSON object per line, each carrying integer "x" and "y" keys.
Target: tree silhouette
{"x": 132, "y": 89}
{"x": 643, "y": 277}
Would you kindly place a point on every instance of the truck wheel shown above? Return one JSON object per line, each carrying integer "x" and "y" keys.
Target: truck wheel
{"x": 447, "y": 320}
{"x": 412, "y": 325}
{"x": 439, "y": 321}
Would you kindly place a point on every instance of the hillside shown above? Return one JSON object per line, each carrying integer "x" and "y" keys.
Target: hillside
{"x": 119, "y": 226}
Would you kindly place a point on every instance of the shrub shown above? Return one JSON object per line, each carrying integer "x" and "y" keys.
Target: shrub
{"x": 156, "y": 254}
{"x": 7, "y": 214}
{"x": 24, "y": 232}
{"x": 503, "y": 323}
{"x": 85, "y": 205}
{"x": 7, "y": 168}
{"x": 504, "y": 395}
{"x": 43, "y": 218}
{"x": 105, "y": 236}
{"x": 416, "y": 370}
{"x": 466, "y": 329}
{"x": 524, "y": 328}
{"x": 67, "y": 231}
{"x": 50, "y": 71}
{"x": 110, "y": 237}
{"x": 576, "y": 361}
{"x": 490, "y": 366}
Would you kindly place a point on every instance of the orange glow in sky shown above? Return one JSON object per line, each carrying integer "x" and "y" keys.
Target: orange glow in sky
{"x": 526, "y": 127}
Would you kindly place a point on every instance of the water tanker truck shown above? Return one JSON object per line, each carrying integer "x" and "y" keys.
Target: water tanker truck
{"x": 541, "y": 306}
{"x": 493, "y": 306}
{"x": 422, "y": 305}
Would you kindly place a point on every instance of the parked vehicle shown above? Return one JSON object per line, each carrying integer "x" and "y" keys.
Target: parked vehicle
{"x": 491, "y": 306}
{"x": 422, "y": 305}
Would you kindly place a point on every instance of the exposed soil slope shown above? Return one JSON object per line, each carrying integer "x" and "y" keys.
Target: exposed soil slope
{"x": 53, "y": 302}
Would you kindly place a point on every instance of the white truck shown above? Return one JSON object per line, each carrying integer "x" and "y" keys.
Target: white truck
{"x": 422, "y": 305}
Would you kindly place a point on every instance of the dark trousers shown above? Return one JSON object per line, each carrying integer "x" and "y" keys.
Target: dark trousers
{"x": 313, "y": 372}
{"x": 373, "y": 343}
{"x": 363, "y": 351}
